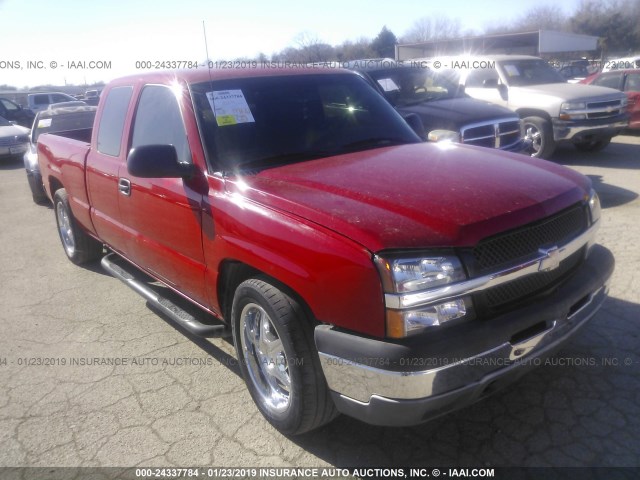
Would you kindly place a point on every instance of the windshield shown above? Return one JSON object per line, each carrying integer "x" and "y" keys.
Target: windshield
{"x": 64, "y": 122}
{"x": 521, "y": 73}
{"x": 260, "y": 122}
{"x": 410, "y": 86}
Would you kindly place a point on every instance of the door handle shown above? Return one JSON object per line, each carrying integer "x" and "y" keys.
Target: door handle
{"x": 124, "y": 186}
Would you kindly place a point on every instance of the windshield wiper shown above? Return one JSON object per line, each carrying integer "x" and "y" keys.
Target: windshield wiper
{"x": 280, "y": 159}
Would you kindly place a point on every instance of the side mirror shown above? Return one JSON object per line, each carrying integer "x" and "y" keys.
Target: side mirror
{"x": 415, "y": 122}
{"x": 158, "y": 161}
{"x": 504, "y": 93}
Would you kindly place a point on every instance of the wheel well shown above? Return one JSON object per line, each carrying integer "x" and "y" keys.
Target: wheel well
{"x": 528, "y": 112}
{"x": 233, "y": 273}
{"x": 54, "y": 185}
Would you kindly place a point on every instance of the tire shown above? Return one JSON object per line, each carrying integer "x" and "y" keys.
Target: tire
{"x": 37, "y": 190}
{"x": 274, "y": 342}
{"x": 79, "y": 247}
{"x": 594, "y": 144}
{"x": 538, "y": 130}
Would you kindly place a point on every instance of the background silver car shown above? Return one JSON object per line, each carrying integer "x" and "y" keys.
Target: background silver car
{"x": 14, "y": 140}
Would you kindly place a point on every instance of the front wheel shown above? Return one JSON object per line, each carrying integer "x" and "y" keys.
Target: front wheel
{"x": 78, "y": 245}
{"x": 275, "y": 348}
{"x": 539, "y": 132}
{"x": 594, "y": 144}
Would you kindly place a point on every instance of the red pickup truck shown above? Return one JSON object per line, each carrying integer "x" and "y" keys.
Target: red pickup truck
{"x": 358, "y": 269}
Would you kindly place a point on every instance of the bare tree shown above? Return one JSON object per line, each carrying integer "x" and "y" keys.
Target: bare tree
{"x": 312, "y": 49}
{"x": 436, "y": 27}
{"x": 541, "y": 17}
{"x": 354, "y": 50}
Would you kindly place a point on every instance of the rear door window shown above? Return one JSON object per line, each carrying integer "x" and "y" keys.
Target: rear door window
{"x": 112, "y": 120}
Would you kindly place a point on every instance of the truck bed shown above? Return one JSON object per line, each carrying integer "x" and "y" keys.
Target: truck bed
{"x": 65, "y": 153}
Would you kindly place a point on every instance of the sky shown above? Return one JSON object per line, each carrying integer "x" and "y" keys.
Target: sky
{"x": 53, "y": 42}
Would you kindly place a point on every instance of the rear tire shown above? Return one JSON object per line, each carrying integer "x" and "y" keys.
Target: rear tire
{"x": 274, "y": 343}
{"x": 538, "y": 130}
{"x": 78, "y": 245}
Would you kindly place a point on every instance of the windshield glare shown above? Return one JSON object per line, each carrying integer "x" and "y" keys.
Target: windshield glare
{"x": 259, "y": 122}
{"x": 406, "y": 86}
{"x": 519, "y": 73}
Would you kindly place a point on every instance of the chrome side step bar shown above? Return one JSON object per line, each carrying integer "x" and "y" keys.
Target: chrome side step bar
{"x": 178, "y": 315}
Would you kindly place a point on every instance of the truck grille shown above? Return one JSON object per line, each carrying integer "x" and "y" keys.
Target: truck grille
{"x": 517, "y": 245}
{"x": 526, "y": 286}
{"x": 499, "y": 134}
{"x": 604, "y": 109}
{"x": 522, "y": 244}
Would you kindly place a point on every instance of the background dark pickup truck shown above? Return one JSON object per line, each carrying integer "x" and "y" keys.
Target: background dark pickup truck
{"x": 446, "y": 112}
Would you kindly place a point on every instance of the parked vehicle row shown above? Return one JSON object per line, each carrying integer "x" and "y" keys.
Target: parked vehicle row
{"x": 552, "y": 110}
{"x": 358, "y": 269}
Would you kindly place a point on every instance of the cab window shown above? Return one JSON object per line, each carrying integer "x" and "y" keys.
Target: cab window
{"x": 612, "y": 81}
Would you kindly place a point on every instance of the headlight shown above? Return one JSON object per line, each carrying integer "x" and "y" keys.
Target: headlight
{"x": 567, "y": 109}
{"x": 594, "y": 206}
{"x": 413, "y": 274}
{"x": 443, "y": 136}
{"x": 405, "y": 275}
{"x": 573, "y": 106}
{"x": 624, "y": 102}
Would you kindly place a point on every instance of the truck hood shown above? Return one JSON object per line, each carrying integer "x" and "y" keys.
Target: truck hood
{"x": 552, "y": 95}
{"x": 418, "y": 195}
{"x": 454, "y": 113}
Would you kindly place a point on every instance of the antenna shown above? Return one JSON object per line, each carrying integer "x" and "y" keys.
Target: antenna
{"x": 206, "y": 46}
{"x": 206, "y": 49}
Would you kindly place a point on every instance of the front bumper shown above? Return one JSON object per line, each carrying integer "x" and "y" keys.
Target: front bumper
{"x": 16, "y": 150}
{"x": 523, "y": 145}
{"x": 406, "y": 383}
{"x": 577, "y": 129}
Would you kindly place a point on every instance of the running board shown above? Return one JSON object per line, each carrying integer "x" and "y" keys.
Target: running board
{"x": 178, "y": 315}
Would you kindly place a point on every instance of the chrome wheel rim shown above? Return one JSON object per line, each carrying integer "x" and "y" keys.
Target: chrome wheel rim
{"x": 265, "y": 358}
{"x": 64, "y": 227}
{"x": 535, "y": 136}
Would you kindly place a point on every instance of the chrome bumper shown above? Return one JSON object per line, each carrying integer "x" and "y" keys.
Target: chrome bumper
{"x": 361, "y": 382}
{"x": 563, "y": 130}
{"x": 391, "y": 384}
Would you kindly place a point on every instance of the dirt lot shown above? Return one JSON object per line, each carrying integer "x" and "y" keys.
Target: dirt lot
{"x": 183, "y": 402}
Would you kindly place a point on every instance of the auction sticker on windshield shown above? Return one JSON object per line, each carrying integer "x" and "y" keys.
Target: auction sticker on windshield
{"x": 512, "y": 70}
{"x": 229, "y": 107}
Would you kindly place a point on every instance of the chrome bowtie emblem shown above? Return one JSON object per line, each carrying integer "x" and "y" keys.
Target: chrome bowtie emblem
{"x": 551, "y": 259}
